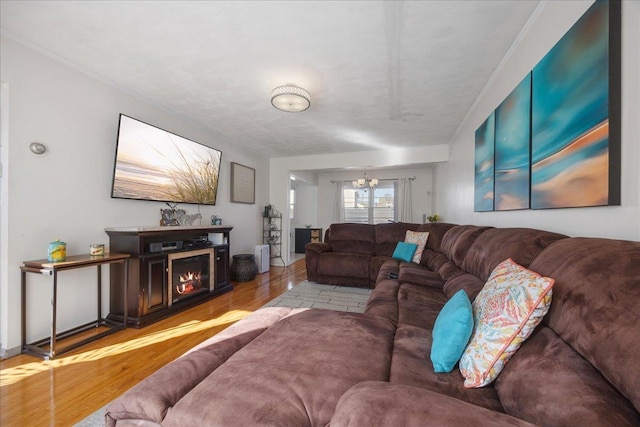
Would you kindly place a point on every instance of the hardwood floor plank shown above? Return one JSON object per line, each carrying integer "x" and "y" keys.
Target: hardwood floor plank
{"x": 65, "y": 390}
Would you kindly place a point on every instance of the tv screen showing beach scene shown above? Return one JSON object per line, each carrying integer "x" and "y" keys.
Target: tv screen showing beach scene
{"x": 154, "y": 164}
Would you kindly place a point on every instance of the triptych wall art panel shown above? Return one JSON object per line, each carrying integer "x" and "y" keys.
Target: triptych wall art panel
{"x": 512, "y": 149}
{"x": 556, "y": 137}
{"x": 485, "y": 135}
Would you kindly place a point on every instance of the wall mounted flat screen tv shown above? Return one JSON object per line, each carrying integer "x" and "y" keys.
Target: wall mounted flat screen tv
{"x": 153, "y": 164}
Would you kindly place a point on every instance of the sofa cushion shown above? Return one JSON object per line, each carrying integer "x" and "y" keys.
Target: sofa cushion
{"x": 560, "y": 387}
{"x": 410, "y": 366}
{"x": 471, "y": 284}
{"x": 434, "y": 260}
{"x": 388, "y": 235}
{"x": 596, "y": 305}
{"x": 292, "y": 374}
{"x": 404, "y": 251}
{"x": 353, "y": 238}
{"x": 451, "y": 332}
{"x": 379, "y": 404}
{"x": 341, "y": 265}
{"x": 436, "y": 231}
{"x": 420, "y": 239}
{"x": 380, "y": 268}
{"x": 419, "y": 275}
{"x": 497, "y": 244}
{"x": 383, "y": 301}
{"x": 506, "y": 311}
{"x": 457, "y": 241}
{"x": 149, "y": 400}
{"x": 312, "y": 253}
{"x": 419, "y": 305}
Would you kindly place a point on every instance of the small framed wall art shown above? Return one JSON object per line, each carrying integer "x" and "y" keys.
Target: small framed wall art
{"x": 243, "y": 184}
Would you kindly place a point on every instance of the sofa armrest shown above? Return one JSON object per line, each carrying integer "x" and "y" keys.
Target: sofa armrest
{"x": 376, "y": 403}
{"x": 312, "y": 254}
{"x": 148, "y": 401}
{"x": 318, "y": 247}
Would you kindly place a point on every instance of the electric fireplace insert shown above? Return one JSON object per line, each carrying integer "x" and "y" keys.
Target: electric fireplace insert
{"x": 190, "y": 274}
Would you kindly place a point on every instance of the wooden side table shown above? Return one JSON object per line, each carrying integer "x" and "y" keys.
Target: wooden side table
{"x": 48, "y": 268}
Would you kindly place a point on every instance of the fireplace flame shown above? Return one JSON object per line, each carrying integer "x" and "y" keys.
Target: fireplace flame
{"x": 188, "y": 282}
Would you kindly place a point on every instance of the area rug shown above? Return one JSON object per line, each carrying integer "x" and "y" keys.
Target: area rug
{"x": 304, "y": 295}
{"x": 314, "y": 295}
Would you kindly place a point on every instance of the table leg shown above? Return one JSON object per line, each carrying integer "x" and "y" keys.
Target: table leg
{"x": 54, "y": 304}
{"x": 99, "y": 267}
{"x": 23, "y": 313}
{"x": 126, "y": 291}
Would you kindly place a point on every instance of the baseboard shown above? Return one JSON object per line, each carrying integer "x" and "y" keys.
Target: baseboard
{"x": 6, "y": 353}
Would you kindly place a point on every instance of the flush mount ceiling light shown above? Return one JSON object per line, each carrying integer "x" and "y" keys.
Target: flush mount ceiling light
{"x": 290, "y": 98}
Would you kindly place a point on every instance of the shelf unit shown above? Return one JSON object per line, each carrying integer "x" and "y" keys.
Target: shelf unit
{"x": 272, "y": 232}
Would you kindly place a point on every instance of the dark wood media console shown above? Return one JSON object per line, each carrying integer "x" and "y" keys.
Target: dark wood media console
{"x": 153, "y": 251}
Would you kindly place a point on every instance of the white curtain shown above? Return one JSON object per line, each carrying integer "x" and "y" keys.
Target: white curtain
{"x": 404, "y": 201}
{"x": 338, "y": 206}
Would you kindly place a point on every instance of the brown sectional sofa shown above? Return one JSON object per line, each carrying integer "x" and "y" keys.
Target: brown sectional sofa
{"x": 296, "y": 367}
{"x": 352, "y": 254}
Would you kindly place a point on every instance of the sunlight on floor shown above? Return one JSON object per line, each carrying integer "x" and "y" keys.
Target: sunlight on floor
{"x": 15, "y": 374}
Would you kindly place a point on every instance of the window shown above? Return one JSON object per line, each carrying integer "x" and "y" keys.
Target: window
{"x": 292, "y": 203}
{"x": 372, "y": 206}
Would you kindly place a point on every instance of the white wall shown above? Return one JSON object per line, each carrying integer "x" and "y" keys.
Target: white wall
{"x": 306, "y": 204}
{"x": 306, "y": 208}
{"x": 306, "y": 186}
{"x": 66, "y": 193}
{"x": 454, "y": 180}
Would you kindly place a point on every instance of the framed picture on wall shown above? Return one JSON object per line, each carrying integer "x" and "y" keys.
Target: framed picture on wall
{"x": 243, "y": 184}
{"x": 484, "y": 165}
{"x": 555, "y": 141}
{"x": 511, "y": 159}
{"x": 575, "y": 145}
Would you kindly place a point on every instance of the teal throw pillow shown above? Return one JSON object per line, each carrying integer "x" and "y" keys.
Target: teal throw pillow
{"x": 451, "y": 332}
{"x": 404, "y": 251}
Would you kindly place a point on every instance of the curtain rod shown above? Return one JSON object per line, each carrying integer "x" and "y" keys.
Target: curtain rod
{"x": 411, "y": 178}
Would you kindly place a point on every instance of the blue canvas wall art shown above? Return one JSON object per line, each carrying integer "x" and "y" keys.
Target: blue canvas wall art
{"x": 571, "y": 142}
{"x": 484, "y": 165}
{"x": 512, "y": 157}
{"x": 555, "y": 141}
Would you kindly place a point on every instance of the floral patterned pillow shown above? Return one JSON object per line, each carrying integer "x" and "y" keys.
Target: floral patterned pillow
{"x": 506, "y": 311}
{"x": 420, "y": 239}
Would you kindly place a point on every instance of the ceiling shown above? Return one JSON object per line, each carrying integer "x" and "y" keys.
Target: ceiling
{"x": 380, "y": 74}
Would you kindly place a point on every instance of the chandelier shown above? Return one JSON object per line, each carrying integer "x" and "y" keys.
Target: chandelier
{"x": 365, "y": 183}
{"x": 290, "y": 98}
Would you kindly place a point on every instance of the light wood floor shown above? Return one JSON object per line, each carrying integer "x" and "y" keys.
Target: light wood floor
{"x": 65, "y": 390}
